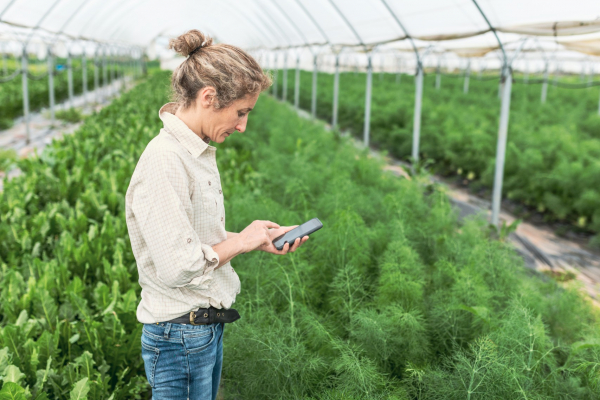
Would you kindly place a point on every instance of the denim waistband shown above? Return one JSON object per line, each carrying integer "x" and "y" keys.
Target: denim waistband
{"x": 163, "y": 328}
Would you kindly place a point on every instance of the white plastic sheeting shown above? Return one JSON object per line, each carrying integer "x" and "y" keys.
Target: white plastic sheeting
{"x": 283, "y": 23}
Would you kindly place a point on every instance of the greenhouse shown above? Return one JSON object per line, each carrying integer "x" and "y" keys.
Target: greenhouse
{"x": 163, "y": 165}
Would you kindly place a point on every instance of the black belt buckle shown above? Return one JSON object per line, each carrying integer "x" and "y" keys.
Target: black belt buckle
{"x": 193, "y": 318}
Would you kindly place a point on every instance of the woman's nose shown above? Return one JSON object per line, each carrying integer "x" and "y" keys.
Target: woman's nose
{"x": 241, "y": 127}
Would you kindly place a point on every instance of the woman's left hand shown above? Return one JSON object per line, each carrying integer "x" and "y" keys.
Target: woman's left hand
{"x": 275, "y": 233}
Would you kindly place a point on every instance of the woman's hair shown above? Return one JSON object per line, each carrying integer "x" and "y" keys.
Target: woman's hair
{"x": 230, "y": 70}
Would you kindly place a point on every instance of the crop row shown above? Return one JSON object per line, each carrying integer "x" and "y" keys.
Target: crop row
{"x": 392, "y": 299}
{"x": 553, "y": 150}
{"x": 11, "y": 92}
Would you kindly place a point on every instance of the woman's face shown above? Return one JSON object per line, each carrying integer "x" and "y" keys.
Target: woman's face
{"x": 218, "y": 124}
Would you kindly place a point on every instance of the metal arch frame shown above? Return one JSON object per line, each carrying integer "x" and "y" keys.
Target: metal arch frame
{"x": 111, "y": 9}
{"x": 303, "y": 37}
{"x": 368, "y": 93}
{"x": 502, "y": 128}
{"x": 256, "y": 27}
{"x": 9, "y": 5}
{"x": 418, "y": 88}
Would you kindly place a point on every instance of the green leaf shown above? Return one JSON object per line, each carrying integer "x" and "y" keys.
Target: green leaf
{"x": 12, "y": 374}
{"x": 80, "y": 390}
{"x": 12, "y": 391}
{"x": 4, "y": 358}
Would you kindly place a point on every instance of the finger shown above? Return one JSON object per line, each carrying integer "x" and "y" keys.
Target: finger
{"x": 286, "y": 248}
{"x": 270, "y": 224}
{"x": 277, "y": 232}
{"x": 296, "y": 245}
{"x": 289, "y": 228}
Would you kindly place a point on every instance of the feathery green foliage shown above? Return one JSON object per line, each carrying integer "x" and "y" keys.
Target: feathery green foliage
{"x": 392, "y": 299}
{"x": 553, "y": 149}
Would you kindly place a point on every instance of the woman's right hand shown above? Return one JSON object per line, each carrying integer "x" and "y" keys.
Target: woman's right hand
{"x": 259, "y": 235}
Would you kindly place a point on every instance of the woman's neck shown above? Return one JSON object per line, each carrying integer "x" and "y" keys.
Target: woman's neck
{"x": 191, "y": 118}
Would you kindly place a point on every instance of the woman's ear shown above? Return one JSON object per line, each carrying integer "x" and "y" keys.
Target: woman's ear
{"x": 207, "y": 96}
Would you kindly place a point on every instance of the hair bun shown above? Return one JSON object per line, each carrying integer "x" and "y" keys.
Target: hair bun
{"x": 190, "y": 41}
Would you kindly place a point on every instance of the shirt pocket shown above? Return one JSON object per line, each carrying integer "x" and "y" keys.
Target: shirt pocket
{"x": 209, "y": 189}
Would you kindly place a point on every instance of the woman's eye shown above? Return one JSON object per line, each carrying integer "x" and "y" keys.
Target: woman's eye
{"x": 241, "y": 114}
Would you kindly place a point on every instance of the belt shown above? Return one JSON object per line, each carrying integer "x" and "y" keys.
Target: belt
{"x": 204, "y": 316}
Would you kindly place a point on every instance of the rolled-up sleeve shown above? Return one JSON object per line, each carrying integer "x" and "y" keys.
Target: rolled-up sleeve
{"x": 162, "y": 205}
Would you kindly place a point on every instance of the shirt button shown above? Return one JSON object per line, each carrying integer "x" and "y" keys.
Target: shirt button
{"x": 221, "y": 219}
{"x": 220, "y": 191}
{"x": 189, "y": 240}
{"x": 208, "y": 183}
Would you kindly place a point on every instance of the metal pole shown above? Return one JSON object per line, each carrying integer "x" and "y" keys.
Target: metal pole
{"x": 96, "y": 78}
{"x": 438, "y": 77}
{"x": 526, "y": 77}
{"x": 501, "y": 148}
{"x": 399, "y": 75}
{"x": 285, "y": 77}
{"x": 336, "y": 91}
{"x": 417, "y": 116}
{"x": 467, "y": 76}
{"x": 545, "y": 84}
{"x": 313, "y": 104}
{"x": 51, "y": 85}
{"x": 24, "y": 64}
{"x": 599, "y": 106}
{"x": 4, "y": 64}
{"x": 297, "y": 84}
{"x": 276, "y": 77}
{"x": 104, "y": 74}
{"x": 591, "y": 76}
{"x": 70, "y": 78}
{"x": 368, "y": 101}
{"x": 84, "y": 71}
{"x": 113, "y": 71}
{"x": 382, "y": 67}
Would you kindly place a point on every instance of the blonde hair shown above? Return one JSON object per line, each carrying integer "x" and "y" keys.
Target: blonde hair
{"x": 230, "y": 70}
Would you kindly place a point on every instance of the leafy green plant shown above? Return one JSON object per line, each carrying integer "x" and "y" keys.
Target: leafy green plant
{"x": 392, "y": 299}
{"x": 71, "y": 115}
{"x": 8, "y": 157}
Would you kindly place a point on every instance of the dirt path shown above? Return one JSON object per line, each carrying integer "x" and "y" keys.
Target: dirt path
{"x": 42, "y": 130}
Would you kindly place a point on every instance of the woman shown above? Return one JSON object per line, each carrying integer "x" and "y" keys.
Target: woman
{"x": 176, "y": 220}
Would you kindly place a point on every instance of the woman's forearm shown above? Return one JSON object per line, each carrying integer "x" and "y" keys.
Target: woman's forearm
{"x": 231, "y": 234}
{"x": 228, "y": 249}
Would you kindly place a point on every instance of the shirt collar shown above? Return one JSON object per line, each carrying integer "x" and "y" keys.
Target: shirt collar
{"x": 176, "y": 127}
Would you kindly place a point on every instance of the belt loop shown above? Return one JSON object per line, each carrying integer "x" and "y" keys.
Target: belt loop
{"x": 167, "y": 329}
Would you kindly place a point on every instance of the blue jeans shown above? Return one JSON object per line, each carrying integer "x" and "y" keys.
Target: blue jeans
{"x": 183, "y": 361}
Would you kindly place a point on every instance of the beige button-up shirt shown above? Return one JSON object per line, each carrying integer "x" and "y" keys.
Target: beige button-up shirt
{"x": 174, "y": 212}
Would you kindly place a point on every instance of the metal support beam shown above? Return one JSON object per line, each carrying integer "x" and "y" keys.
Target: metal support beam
{"x": 84, "y": 78}
{"x": 545, "y": 84}
{"x": 399, "y": 74}
{"x": 313, "y": 102}
{"x": 438, "y": 75}
{"x": 70, "y": 78}
{"x": 96, "y": 77}
{"x": 297, "y": 83}
{"x": 417, "y": 115}
{"x": 104, "y": 74}
{"x": 24, "y": 68}
{"x": 336, "y": 91}
{"x": 276, "y": 76}
{"x": 467, "y": 76}
{"x": 51, "y": 99}
{"x": 285, "y": 76}
{"x": 501, "y": 147}
{"x": 367, "y": 126}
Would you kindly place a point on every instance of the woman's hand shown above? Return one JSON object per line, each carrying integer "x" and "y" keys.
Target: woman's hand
{"x": 259, "y": 235}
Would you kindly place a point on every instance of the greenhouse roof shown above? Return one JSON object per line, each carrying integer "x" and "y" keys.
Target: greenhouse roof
{"x": 279, "y": 24}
